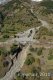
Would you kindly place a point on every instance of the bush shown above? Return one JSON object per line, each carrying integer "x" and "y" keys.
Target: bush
{"x": 3, "y": 51}
{"x": 50, "y": 57}
{"x": 50, "y": 33}
{"x": 36, "y": 69}
{"x": 13, "y": 48}
{"x": 47, "y": 3}
{"x": 30, "y": 60}
{"x": 5, "y": 36}
{"x": 5, "y": 64}
{"x": 1, "y": 17}
{"x": 43, "y": 31}
{"x": 39, "y": 51}
{"x": 33, "y": 49}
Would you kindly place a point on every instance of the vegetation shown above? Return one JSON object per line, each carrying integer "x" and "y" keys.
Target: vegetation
{"x": 13, "y": 48}
{"x": 47, "y": 3}
{"x": 20, "y": 76}
{"x": 3, "y": 62}
{"x": 39, "y": 51}
{"x": 30, "y": 59}
{"x": 50, "y": 57}
{"x": 3, "y": 51}
{"x": 18, "y": 17}
{"x": 33, "y": 49}
{"x": 43, "y": 31}
{"x": 5, "y": 36}
{"x": 36, "y": 70}
{"x": 50, "y": 33}
{"x": 36, "y": 50}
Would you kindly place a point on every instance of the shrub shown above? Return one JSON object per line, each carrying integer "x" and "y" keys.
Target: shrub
{"x": 33, "y": 49}
{"x": 5, "y": 36}
{"x": 3, "y": 51}
{"x": 30, "y": 60}
{"x": 43, "y": 31}
{"x": 39, "y": 51}
{"x": 50, "y": 33}
{"x": 50, "y": 57}
{"x": 13, "y": 48}
{"x": 5, "y": 64}
{"x": 47, "y": 3}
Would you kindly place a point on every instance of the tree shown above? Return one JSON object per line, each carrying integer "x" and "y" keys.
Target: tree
{"x": 5, "y": 36}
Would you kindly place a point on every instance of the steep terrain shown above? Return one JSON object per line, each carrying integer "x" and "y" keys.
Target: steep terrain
{"x": 16, "y": 16}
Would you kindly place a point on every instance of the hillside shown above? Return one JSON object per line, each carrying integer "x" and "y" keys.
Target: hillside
{"x": 17, "y": 16}
{"x": 26, "y": 40}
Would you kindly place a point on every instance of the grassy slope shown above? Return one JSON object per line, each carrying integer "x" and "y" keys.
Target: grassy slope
{"x": 18, "y": 17}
